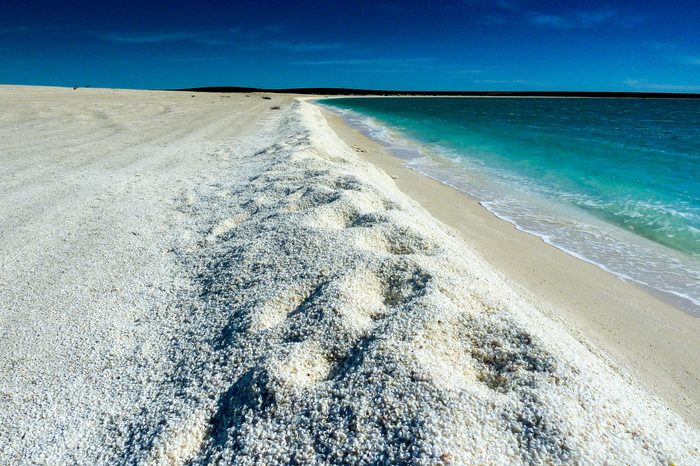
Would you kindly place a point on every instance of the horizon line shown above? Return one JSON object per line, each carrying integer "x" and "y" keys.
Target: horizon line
{"x": 395, "y": 92}
{"x": 350, "y": 91}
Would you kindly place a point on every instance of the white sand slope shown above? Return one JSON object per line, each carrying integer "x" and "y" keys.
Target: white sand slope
{"x": 312, "y": 313}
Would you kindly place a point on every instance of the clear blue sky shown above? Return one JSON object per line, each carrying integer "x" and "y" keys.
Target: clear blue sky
{"x": 429, "y": 44}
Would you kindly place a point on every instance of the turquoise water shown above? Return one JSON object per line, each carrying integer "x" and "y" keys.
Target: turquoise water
{"x": 612, "y": 181}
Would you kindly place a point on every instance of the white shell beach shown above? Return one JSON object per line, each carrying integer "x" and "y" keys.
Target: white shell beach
{"x": 197, "y": 278}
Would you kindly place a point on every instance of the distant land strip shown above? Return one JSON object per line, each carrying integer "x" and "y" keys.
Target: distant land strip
{"x": 374, "y": 92}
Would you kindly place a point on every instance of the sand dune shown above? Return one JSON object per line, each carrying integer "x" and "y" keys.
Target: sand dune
{"x": 262, "y": 295}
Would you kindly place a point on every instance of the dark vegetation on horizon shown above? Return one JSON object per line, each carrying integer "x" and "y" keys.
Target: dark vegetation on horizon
{"x": 373, "y": 92}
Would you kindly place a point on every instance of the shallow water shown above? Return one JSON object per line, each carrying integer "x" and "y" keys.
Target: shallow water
{"x": 612, "y": 181}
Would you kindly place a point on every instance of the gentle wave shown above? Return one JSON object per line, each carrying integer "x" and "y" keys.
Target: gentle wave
{"x": 531, "y": 209}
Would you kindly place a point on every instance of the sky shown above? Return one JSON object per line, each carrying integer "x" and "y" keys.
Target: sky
{"x": 589, "y": 45}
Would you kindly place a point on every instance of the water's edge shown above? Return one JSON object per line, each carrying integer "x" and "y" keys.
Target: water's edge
{"x": 409, "y": 153}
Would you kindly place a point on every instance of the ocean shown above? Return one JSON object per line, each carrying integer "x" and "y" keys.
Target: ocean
{"x": 615, "y": 182}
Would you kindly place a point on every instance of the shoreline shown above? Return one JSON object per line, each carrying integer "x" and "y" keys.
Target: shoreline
{"x": 215, "y": 280}
{"x": 442, "y": 168}
{"x": 654, "y": 342}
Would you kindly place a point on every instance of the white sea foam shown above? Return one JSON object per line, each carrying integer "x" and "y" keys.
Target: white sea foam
{"x": 552, "y": 216}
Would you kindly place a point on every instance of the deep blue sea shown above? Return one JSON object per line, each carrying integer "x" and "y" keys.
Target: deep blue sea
{"x": 612, "y": 181}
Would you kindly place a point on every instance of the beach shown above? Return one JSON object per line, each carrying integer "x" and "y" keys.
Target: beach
{"x": 657, "y": 341}
{"x": 193, "y": 278}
